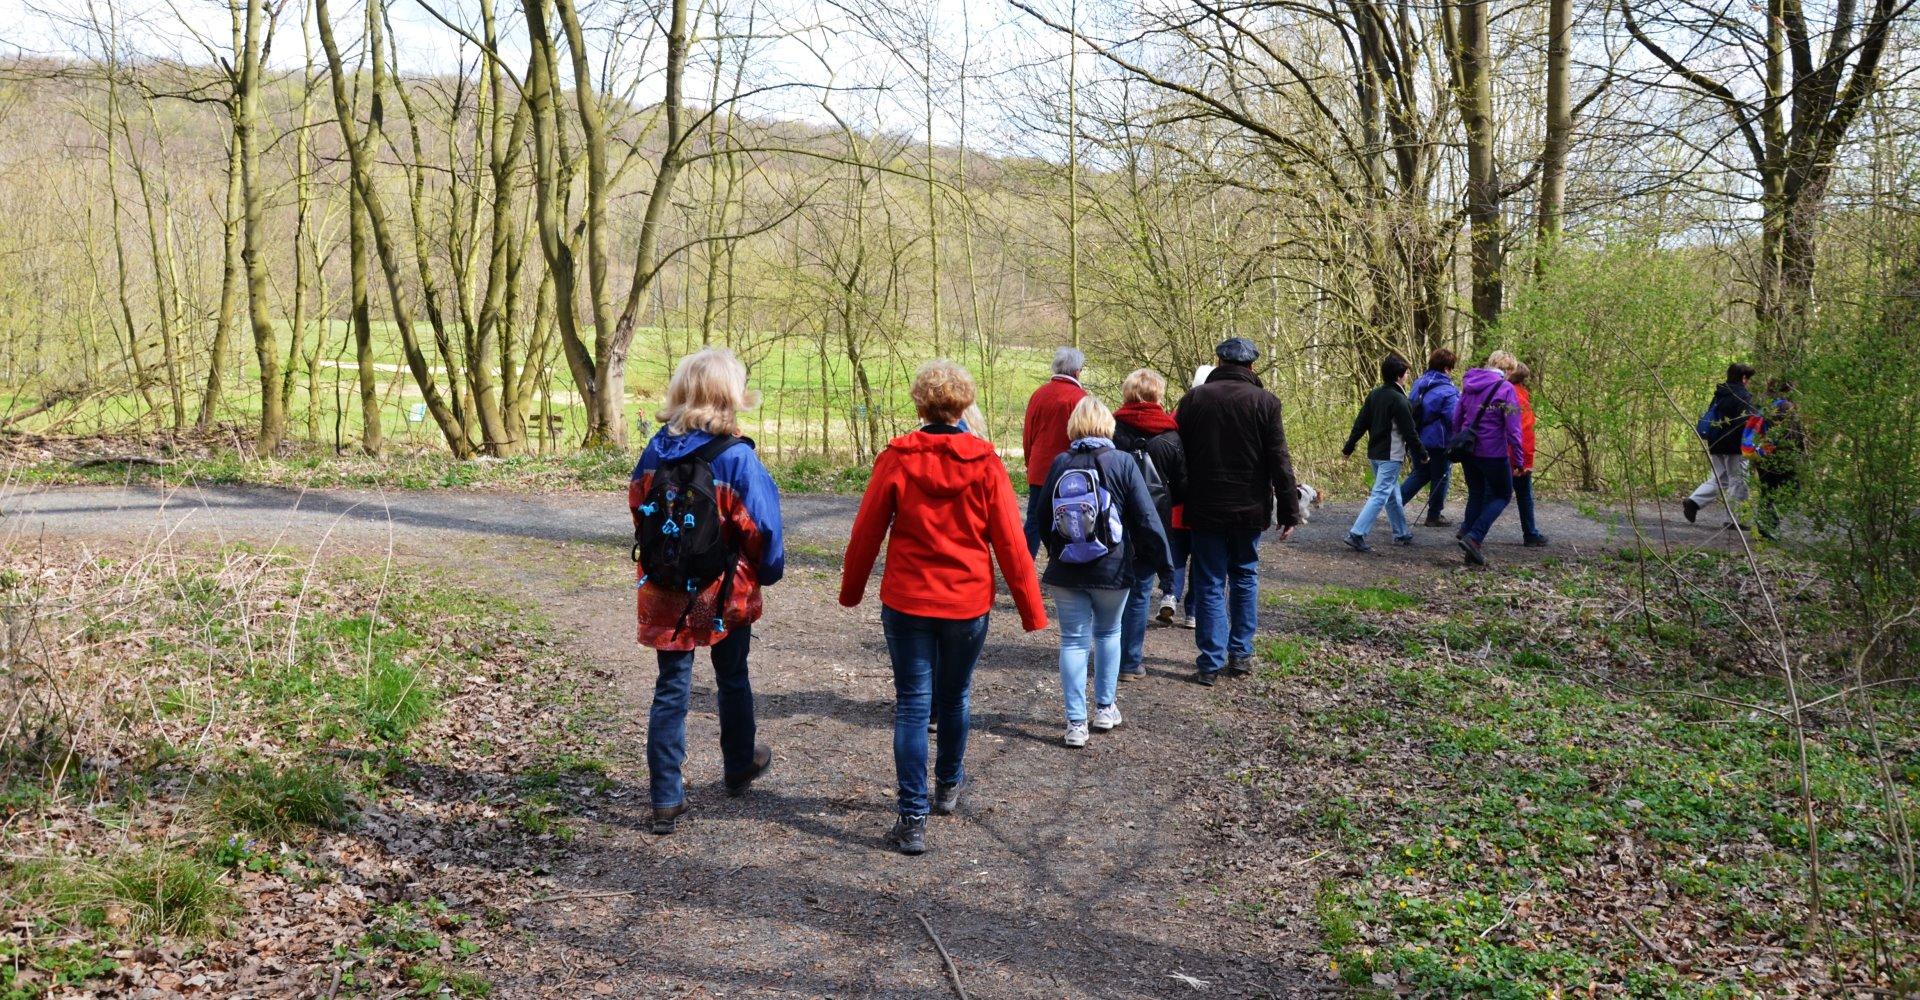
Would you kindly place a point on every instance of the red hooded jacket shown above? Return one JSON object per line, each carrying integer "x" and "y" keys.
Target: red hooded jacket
{"x": 947, "y": 502}
{"x": 1044, "y": 435}
{"x": 1526, "y": 427}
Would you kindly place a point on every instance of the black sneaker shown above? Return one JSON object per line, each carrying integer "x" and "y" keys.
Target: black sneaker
{"x": 1437, "y": 521}
{"x": 1472, "y": 549}
{"x": 946, "y": 796}
{"x": 1206, "y": 678}
{"x": 665, "y": 820}
{"x": 1535, "y": 542}
{"x": 1407, "y": 541}
{"x": 1239, "y": 666}
{"x": 1689, "y": 509}
{"x": 1358, "y": 544}
{"x": 762, "y": 759}
{"x": 909, "y": 835}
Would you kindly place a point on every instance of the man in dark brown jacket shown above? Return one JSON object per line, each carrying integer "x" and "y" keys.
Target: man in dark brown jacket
{"x": 1239, "y": 482}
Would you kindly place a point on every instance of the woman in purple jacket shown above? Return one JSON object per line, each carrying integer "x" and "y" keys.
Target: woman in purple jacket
{"x": 1488, "y": 402}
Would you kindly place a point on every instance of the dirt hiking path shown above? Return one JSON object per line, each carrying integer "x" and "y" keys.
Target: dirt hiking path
{"x": 1071, "y": 874}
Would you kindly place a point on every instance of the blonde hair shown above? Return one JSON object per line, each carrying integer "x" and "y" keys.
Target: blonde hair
{"x": 707, "y": 392}
{"x": 1090, "y": 419}
{"x": 1503, "y": 361}
{"x": 976, "y": 422}
{"x": 942, "y": 391}
{"x": 1144, "y": 385}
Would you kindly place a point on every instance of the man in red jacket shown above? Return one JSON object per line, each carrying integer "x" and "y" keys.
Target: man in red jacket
{"x": 1044, "y": 436}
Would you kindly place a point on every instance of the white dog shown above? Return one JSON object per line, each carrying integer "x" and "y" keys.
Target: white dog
{"x": 1309, "y": 501}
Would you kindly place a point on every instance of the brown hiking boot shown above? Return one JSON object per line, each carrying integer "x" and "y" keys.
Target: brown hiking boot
{"x": 665, "y": 819}
{"x": 762, "y": 759}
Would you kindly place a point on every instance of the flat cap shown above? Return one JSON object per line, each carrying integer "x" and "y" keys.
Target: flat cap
{"x": 1237, "y": 351}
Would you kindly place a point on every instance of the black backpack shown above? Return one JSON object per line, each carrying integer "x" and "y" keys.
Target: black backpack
{"x": 1156, "y": 483}
{"x": 1465, "y": 441}
{"x": 681, "y": 541}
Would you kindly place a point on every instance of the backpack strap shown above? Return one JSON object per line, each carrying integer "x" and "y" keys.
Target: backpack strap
{"x": 712, "y": 450}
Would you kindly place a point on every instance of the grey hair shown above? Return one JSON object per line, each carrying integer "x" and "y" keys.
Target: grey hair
{"x": 1068, "y": 361}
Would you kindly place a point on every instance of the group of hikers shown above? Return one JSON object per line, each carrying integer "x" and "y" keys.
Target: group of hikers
{"x": 1122, "y": 500}
{"x": 1484, "y": 424}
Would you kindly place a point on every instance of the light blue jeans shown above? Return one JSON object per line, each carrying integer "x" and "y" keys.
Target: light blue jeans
{"x": 1385, "y": 496}
{"x": 1090, "y": 623}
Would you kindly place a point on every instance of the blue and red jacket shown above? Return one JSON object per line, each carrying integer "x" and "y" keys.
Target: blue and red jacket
{"x": 750, "y": 503}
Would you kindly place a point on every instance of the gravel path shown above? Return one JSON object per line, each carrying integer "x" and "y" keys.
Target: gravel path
{"x": 1068, "y": 874}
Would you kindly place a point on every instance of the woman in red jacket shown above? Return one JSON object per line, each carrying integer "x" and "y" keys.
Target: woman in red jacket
{"x": 1523, "y": 477}
{"x": 946, "y": 498}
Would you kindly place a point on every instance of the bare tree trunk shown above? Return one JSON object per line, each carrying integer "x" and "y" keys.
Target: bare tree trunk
{"x": 229, "y": 291}
{"x": 251, "y": 30}
{"x": 142, "y": 382}
{"x": 361, "y": 167}
{"x": 1559, "y": 131}
{"x": 1470, "y": 51}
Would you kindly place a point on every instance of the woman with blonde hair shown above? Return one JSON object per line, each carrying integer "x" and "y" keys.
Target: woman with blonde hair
{"x": 1143, "y": 428}
{"x": 707, "y": 532}
{"x": 1102, "y": 532}
{"x": 1491, "y": 409}
{"x": 945, "y": 499}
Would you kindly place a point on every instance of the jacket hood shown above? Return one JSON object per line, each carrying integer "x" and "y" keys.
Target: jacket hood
{"x": 1483, "y": 380}
{"x": 1090, "y": 444}
{"x": 1147, "y": 418}
{"x": 942, "y": 464}
{"x": 1431, "y": 378}
{"x": 672, "y": 447}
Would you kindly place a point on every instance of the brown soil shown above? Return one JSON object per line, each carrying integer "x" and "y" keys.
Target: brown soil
{"x": 1067, "y": 873}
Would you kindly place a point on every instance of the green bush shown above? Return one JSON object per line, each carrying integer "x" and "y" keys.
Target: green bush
{"x": 1859, "y": 397}
{"x": 1624, "y": 345}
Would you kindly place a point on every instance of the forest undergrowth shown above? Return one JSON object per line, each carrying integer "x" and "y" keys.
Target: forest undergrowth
{"x": 235, "y": 771}
{"x": 1581, "y": 780}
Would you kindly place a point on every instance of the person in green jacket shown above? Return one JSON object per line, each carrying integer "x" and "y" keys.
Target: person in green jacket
{"x": 1392, "y": 437}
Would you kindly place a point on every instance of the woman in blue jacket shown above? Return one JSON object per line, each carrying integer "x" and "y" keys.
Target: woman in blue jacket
{"x": 1090, "y": 583}
{"x": 1434, "y": 398}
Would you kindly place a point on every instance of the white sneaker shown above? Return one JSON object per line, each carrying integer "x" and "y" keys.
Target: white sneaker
{"x": 1105, "y": 718}
{"x": 1076, "y": 734}
{"x": 1186, "y": 621}
{"x": 1166, "y": 609}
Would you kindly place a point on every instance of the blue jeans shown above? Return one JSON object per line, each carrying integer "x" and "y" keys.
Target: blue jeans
{"x": 1437, "y": 472}
{"x": 667, "y": 721}
{"x": 1385, "y": 496}
{"x": 1089, "y": 628}
{"x": 933, "y": 662}
{"x": 1523, "y": 499}
{"x": 1180, "y": 542}
{"x": 1133, "y": 624}
{"x": 1489, "y": 488}
{"x": 1226, "y": 595}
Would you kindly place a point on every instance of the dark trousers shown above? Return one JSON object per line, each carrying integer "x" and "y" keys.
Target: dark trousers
{"x": 1033, "y": 533}
{"x": 1774, "y": 480}
{"x": 1523, "y": 499}
{"x": 1435, "y": 472}
{"x": 667, "y": 721}
{"x": 1489, "y": 489}
{"x": 933, "y": 661}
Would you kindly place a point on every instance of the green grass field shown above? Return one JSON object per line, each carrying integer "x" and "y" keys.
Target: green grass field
{"x": 810, "y": 402}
